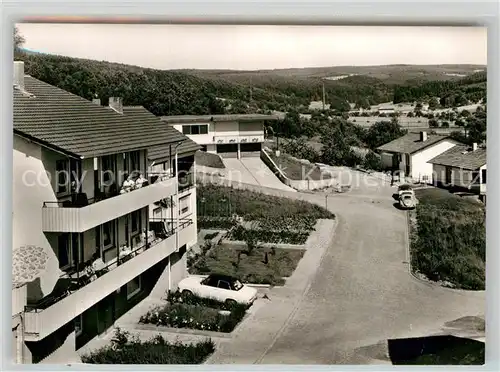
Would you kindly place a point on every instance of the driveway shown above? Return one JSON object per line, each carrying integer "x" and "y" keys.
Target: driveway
{"x": 362, "y": 293}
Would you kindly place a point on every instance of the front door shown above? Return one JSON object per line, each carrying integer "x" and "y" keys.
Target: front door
{"x": 448, "y": 176}
{"x": 407, "y": 164}
{"x": 105, "y": 313}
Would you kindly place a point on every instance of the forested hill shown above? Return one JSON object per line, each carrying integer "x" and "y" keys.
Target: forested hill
{"x": 165, "y": 92}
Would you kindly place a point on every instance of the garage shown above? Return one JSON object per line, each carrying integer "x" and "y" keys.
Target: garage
{"x": 228, "y": 150}
{"x": 250, "y": 149}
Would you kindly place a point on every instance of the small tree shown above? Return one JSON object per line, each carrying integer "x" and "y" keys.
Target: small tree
{"x": 433, "y": 123}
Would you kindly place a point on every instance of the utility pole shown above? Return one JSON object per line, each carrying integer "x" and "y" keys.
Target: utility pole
{"x": 323, "y": 96}
{"x": 251, "y": 89}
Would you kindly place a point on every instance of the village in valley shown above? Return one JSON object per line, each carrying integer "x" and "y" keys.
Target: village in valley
{"x": 315, "y": 215}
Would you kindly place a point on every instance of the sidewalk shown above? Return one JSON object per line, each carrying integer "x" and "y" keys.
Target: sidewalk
{"x": 255, "y": 336}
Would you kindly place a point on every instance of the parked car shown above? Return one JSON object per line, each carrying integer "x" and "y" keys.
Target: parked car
{"x": 222, "y": 288}
{"x": 407, "y": 198}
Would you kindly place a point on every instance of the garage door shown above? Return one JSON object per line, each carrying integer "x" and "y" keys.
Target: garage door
{"x": 250, "y": 149}
{"x": 228, "y": 150}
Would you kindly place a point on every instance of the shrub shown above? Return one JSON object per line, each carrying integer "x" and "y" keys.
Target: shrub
{"x": 372, "y": 161}
{"x": 195, "y": 312}
{"x": 210, "y": 236}
{"x": 127, "y": 350}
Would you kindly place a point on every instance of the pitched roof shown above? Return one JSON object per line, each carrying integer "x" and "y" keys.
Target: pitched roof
{"x": 204, "y": 118}
{"x": 72, "y": 124}
{"x": 411, "y": 143}
{"x": 162, "y": 152}
{"x": 461, "y": 156}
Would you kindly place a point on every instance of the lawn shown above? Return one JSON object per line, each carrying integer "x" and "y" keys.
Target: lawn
{"x": 130, "y": 350}
{"x": 195, "y": 313}
{"x": 220, "y": 201}
{"x": 449, "y": 240}
{"x": 295, "y": 170}
{"x": 208, "y": 160}
{"x": 250, "y": 266}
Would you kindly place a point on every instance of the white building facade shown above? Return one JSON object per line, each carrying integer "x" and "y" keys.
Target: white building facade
{"x": 233, "y": 136}
{"x": 81, "y": 212}
{"x": 410, "y": 154}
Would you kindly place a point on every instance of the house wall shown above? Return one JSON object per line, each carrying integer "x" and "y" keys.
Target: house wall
{"x": 201, "y": 139}
{"x": 483, "y": 181}
{"x": 459, "y": 178}
{"x": 419, "y": 161}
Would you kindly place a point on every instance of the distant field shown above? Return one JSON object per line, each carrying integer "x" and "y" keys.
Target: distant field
{"x": 406, "y": 122}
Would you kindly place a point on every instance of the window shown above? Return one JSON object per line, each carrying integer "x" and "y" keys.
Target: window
{"x": 204, "y": 148}
{"x": 135, "y": 225}
{"x": 195, "y": 129}
{"x": 483, "y": 176}
{"x": 64, "y": 251}
{"x": 133, "y": 287}
{"x": 108, "y": 234}
{"x": 108, "y": 168}
{"x": 78, "y": 325}
{"x": 131, "y": 162}
{"x": 62, "y": 171}
{"x": 475, "y": 178}
{"x": 184, "y": 204}
{"x": 211, "y": 281}
{"x": 224, "y": 285}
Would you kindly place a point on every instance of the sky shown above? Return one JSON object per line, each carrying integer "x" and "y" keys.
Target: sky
{"x": 254, "y": 47}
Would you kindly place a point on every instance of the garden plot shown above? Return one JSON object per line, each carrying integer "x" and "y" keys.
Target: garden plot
{"x": 193, "y": 313}
{"x": 129, "y": 349}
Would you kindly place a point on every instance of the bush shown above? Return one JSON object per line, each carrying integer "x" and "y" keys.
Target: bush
{"x": 265, "y": 236}
{"x": 373, "y": 162}
{"x": 451, "y": 240}
{"x": 210, "y": 236}
{"x": 196, "y": 313}
{"x": 127, "y": 350}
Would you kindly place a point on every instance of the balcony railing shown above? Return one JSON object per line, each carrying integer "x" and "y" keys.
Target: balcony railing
{"x": 233, "y": 139}
{"x": 78, "y": 277}
{"x": 80, "y": 213}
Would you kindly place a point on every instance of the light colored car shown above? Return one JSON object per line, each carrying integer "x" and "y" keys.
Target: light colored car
{"x": 222, "y": 288}
{"x": 407, "y": 198}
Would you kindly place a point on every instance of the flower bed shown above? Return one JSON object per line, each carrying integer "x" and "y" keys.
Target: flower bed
{"x": 283, "y": 236}
{"x": 195, "y": 313}
{"x": 250, "y": 266}
{"x": 224, "y": 223}
{"x": 130, "y": 350}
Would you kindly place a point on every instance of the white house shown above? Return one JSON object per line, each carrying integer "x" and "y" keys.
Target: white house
{"x": 461, "y": 167}
{"x": 85, "y": 247}
{"x": 235, "y": 136}
{"x": 410, "y": 154}
{"x": 319, "y": 105}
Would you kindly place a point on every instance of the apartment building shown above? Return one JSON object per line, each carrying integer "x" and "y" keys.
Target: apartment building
{"x": 232, "y": 136}
{"x": 85, "y": 247}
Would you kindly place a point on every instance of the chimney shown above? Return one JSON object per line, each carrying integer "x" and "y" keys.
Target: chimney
{"x": 97, "y": 101}
{"x": 116, "y": 103}
{"x": 423, "y": 136}
{"x": 474, "y": 146}
{"x": 19, "y": 74}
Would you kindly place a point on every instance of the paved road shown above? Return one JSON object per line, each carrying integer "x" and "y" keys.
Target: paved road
{"x": 360, "y": 296}
{"x": 253, "y": 171}
{"x": 362, "y": 293}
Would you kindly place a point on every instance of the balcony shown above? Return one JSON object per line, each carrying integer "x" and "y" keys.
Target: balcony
{"x": 79, "y": 289}
{"x": 186, "y": 181}
{"x": 231, "y": 139}
{"x": 82, "y": 214}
